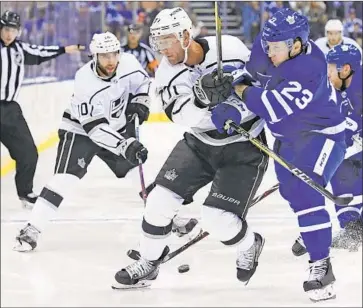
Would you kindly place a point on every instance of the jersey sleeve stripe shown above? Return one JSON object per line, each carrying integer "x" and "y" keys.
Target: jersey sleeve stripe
{"x": 88, "y": 127}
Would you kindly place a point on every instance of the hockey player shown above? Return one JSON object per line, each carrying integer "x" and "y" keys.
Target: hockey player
{"x": 345, "y": 73}
{"x": 334, "y": 37}
{"x": 188, "y": 89}
{"x": 109, "y": 90}
{"x": 299, "y": 106}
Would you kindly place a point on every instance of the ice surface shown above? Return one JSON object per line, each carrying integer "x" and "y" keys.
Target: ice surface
{"x": 86, "y": 244}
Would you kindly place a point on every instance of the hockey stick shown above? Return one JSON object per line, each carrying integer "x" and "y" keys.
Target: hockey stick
{"x": 218, "y": 22}
{"x": 141, "y": 170}
{"x": 297, "y": 172}
{"x": 135, "y": 255}
{"x": 264, "y": 195}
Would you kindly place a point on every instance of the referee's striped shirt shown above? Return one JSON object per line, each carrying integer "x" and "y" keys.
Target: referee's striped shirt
{"x": 144, "y": 54}
{"x": 13, "y": 58}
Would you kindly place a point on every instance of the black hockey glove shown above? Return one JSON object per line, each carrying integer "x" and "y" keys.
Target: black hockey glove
{"x": 138, "y": 105}
{"x": 133, "y": 150}
{"x": 209, "y": 91}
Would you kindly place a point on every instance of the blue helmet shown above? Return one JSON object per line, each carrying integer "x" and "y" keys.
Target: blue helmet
{"x": 345, "y": 54}
{"x": 285, "y": 25}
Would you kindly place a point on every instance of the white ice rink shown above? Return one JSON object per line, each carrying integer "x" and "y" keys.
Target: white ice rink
{"x": 86, "y": 244}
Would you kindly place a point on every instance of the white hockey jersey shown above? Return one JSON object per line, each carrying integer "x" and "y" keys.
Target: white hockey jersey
{"x": 174, "y": 85}
{"x": 97, "y": 107}
{"x": 322, "y": 43}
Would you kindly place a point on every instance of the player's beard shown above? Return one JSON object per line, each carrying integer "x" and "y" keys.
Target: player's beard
{"x": 105, "y": 71}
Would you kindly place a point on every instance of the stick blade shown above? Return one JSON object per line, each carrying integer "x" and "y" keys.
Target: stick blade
{"x": 343, "y": 200}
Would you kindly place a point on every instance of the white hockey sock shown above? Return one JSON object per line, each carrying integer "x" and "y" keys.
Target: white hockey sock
{"x": 227, "y": 227}
{"x": 162, "y": 205}
{"x": 152, "y": 248}
{"x": 247, "y": 242}
{"x": 41, "y": 213}
{"x": 44, "y": 210}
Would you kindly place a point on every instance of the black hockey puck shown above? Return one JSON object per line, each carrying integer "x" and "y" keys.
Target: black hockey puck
{"x": 183, "y": 268}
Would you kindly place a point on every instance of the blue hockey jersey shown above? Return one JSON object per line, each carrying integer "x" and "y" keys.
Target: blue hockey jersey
{"x": 350, "y": 102}
{"x": 296, "y": 97}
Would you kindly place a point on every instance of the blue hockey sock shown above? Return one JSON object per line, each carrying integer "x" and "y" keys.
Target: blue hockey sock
{"x": 349, "y": 213}
{"x": 316, "y": 231}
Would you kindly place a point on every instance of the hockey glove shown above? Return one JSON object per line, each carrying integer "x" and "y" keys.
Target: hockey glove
{"x": 226, "y": 111}
{"x": 209, "y": 91}
{"x": 133, "y": 150}
{"x": 240, "y": 75}
{"x": 138, "y": 105}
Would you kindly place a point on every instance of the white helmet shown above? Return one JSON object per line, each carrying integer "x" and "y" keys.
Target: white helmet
{"x": 170, "y": 21}
{"x": 104, "y": 43}
{"x": 333, "y": 25}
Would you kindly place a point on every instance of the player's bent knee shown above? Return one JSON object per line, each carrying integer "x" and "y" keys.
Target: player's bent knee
{"x": 161, "y": 207}
{"x": 227, "y": 227}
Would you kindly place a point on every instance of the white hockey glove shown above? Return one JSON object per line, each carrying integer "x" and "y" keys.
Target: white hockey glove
{"x": 133, "y": 151}
{"x": 209, "y": 91}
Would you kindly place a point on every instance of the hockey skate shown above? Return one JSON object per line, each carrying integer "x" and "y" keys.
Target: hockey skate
{"x": 247, "y": 261}
{"x": 139, "y": 274}
{"x": 28, "y": 200}
{"x": 350, "y": 237}
{"x": 319, "y": 286}
{"x": 299, "y": 249}
{"x": 27, "y": 239}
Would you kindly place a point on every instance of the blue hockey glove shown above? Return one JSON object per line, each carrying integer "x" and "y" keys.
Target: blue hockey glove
{"x": 226, "y": 111}
{"x": 240, "y": 75}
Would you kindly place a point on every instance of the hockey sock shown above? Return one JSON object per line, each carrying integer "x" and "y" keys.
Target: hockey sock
{"x": 50, "y": 199}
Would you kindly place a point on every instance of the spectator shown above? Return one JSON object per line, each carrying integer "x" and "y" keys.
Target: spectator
{"x": 147, "y": 14}
{"x": 251, "y": 20}
{"x": 352, "y": 23}
{"x": 317, "y": 19}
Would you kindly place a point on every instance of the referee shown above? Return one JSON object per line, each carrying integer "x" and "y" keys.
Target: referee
{"x": 141, "y": 51}
{"x": 14, "y": 131}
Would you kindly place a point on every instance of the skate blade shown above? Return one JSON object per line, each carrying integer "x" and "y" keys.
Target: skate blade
{"x": 24, "y": 247}
{"x": 139, "y": 285}
{"x": 323, "y": 294}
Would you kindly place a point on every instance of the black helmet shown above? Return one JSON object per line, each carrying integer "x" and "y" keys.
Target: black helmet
{"x": 10, "y": 19}
{"x": 134, "y": 28}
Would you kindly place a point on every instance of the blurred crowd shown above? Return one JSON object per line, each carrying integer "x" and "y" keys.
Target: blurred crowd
{"x": 318, "y": 12}
{"x": 64, "y": 23}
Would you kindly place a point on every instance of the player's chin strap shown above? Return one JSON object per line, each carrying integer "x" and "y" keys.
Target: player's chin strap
{"x": 185, "y": 50}
{"x": 344, "y": 80}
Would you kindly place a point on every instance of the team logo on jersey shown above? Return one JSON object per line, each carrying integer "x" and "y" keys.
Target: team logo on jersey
{"x": 290, "y": 20}
{"x": 18, "y": 59}
{"x": 81, "y": 162}
{"x": 170, "y": 175}
{"x": 117, "y": 107}
{"x": 345, "y": 47}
